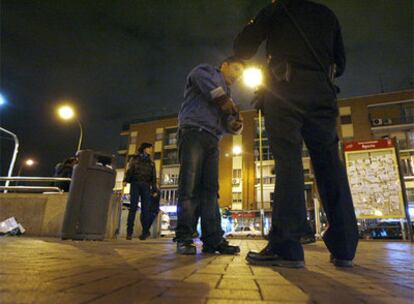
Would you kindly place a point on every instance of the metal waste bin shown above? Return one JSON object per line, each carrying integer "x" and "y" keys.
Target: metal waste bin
{"x": 90, "y": 191}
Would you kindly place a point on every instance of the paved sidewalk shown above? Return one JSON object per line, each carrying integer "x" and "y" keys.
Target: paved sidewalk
{"x": 52, "y": 271}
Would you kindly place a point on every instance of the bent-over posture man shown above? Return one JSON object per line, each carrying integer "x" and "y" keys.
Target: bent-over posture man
{"x": 206, "y": 114}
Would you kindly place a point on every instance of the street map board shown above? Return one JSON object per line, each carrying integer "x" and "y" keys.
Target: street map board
{"x": 374, "y": 178}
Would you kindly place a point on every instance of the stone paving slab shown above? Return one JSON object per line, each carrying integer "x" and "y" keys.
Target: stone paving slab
{"x": 36, "y": 270}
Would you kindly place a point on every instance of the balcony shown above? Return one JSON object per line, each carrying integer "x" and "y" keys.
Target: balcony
{"x": 391, "y": 116}
{"x": 392, "y": 123}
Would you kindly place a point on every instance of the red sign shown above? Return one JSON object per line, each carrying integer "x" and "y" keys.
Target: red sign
{"x": 368, "y": 145}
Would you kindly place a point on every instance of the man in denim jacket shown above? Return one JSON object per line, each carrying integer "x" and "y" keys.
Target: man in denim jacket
{"x": 207, "y": 113}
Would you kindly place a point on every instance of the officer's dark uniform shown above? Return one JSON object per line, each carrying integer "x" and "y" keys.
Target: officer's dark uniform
{"x": 300, "y": 105}
{"x": 142, "y": 176}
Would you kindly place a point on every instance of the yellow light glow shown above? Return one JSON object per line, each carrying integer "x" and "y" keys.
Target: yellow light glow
{"x": 252, "y": 77}
{"x": 237, "y": 150}
{"x": 29, "y": 162}
{"x": 66, "y": 112}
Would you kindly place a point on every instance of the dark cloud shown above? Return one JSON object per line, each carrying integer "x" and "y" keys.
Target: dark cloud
{"x": 119, "y": 60}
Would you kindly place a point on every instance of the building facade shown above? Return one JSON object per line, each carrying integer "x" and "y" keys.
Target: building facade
{"x": 360, "y": 118}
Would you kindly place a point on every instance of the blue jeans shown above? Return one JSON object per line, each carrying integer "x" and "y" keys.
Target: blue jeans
{"x": 198, "y": 186}
{"x": 140, "y": 190}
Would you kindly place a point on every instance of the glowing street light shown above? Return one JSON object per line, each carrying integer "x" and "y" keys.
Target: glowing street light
{"x": 66, "y": 112}
{"x": 26, "y": 163}
{"x": 29, "y": 162}
{"x": 253, "y": 77}
{"x": 2, "y": 100}
{"x": 237, "y": 150}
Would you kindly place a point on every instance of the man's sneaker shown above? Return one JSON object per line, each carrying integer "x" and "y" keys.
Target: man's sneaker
{"x": 223, "y": 248}
{"x": 186, "y": 248}
{"x": 144, "y": 236}
{"x": 308, "y": 239}
{"x": 341, "y": 263}
{"x": 267, "y": 257}
{"x": 129, "y": 237}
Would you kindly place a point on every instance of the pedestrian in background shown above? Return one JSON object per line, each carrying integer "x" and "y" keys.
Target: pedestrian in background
{"x": 142, "y": 177}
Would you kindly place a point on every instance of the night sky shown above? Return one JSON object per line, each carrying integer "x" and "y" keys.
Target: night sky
{"x": 122, "y": 60}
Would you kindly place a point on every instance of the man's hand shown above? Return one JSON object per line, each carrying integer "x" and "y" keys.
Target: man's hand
{"x": 124, "y": 184}
{"x": 154, "y": 194}
{"x": 236, "y": 125}
{"x": 229, "y": 107}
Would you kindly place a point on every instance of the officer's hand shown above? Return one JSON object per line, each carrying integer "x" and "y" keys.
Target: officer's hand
{"x": 229, "y": 107}
{"x": 155, "y": 194}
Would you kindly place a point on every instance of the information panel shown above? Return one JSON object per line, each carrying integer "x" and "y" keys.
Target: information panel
{"x": 373, "y": 175}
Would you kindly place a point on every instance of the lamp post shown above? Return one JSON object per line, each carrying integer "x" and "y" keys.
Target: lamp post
{"x": 253, "y": 78}
{"x": 66, "y": 112}
{"x": 27, "y": 163}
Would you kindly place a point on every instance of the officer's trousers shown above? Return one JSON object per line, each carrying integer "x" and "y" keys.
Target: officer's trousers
{"x": 140, "y": 190}
{"x": 305, "y": 110}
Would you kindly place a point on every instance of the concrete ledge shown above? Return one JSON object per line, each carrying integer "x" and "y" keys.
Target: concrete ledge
{"x": 42, "y": 214}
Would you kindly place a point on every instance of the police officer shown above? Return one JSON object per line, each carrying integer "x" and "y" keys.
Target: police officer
{"x": 207, "y": 113}
{"x": 305, "y": 52}
{"x": 143, "y": 179}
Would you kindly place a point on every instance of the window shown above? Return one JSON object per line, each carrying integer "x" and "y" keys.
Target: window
{"x": 170, "y": 157}
{"x": 170, "y": 136}
{"x": 237, "y": 197}
{"x": 237, "y": 173}
{"x": 157, "y": 155}
{"x": 346, "y": 119}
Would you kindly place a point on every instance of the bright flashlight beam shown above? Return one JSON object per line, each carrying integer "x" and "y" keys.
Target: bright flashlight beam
{"x": 252, "y": 77}
{"x": 66, "y": 112}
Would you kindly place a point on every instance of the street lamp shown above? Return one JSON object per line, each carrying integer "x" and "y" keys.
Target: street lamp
{"x": 2, "y": 100}
{"x": 253, "y": 78}
{"x": 66, "y": 112}
{"x": 27, "y": 163}
{"x": 237, "y": 150}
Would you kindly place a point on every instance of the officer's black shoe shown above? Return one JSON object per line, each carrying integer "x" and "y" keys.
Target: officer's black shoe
{"x": 186, "y": 248}
{"x": 341, "y": 263}
{"x": 129, "y": 237}
{"x": 223, "y": 248}
{"x": 268, "y": 257}
{"x": 144, "y": 236}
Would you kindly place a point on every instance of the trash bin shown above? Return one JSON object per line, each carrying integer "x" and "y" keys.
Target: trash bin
{"x": 90, "y": 191}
